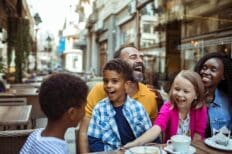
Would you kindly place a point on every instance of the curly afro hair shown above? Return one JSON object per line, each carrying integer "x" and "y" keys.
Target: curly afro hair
{"x": 61, "y": 91}
{"x": 224, "y": 85}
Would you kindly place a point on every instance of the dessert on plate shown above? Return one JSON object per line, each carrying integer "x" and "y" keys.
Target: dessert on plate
{"x": 222, "y": 136}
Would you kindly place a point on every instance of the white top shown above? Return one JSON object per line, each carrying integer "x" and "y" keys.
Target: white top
{"x": 183, "y": 127}
{"x": 39, "y": 144}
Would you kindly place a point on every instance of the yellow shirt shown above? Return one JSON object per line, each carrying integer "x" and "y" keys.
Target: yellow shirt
{"x": 143, "y": 95}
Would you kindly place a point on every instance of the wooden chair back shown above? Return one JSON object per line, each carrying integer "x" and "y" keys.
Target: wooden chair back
{"x": 12, "y": 141}
{"x": 13, "y": 101}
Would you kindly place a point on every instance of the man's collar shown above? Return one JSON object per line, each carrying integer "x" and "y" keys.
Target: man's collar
{"x": 142, "y": 90}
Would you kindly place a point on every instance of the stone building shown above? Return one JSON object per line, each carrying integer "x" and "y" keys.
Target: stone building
{"x": 173, "y": 34}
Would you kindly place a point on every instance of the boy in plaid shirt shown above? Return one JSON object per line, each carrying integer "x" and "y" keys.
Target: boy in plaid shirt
{"x": 117, "y": 119}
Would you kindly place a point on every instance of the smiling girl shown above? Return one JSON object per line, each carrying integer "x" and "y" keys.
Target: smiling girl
{"x": 185, "y": 113}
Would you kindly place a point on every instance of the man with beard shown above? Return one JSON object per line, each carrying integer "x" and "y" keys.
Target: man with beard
{"x": 136, "y": 90}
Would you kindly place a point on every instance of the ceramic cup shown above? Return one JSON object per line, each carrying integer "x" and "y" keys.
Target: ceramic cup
{"x": 179, "y": 143}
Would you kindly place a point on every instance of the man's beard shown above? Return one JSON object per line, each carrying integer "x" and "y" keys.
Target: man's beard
{"x": 138, "y": 74}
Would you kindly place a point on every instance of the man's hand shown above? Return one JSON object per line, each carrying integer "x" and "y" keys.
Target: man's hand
{"x": 83, "y": 138}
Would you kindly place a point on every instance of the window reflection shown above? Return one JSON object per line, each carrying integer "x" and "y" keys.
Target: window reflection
{"x": 175, "y": 34}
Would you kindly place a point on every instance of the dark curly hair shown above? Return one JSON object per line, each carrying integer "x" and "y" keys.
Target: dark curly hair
{"x": 224, "y": 85}
{"x": 61, "y": 91}
{"x": 121, "y": 67}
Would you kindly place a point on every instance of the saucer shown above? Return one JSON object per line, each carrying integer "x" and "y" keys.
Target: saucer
{"x": 169, "y": 149}
{"x": 144, "y": 150}
{"x": 210, "y": 142}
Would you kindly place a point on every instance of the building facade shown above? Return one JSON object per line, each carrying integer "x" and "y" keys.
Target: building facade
{"x": 172, "y": 34}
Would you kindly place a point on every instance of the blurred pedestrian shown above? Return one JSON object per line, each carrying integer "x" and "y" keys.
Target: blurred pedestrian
{"x": 3, "y": 83}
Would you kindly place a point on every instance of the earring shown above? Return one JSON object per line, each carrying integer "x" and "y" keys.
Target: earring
{"x": 223, "y": 78}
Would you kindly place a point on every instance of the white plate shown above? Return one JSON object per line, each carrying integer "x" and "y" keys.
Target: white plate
{"x": 210, "y": 142}
{"x": 169, "y": 149}
{"x": 143, "y": 149}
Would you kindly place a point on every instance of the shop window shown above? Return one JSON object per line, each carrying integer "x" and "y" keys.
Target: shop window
{"x": 147, "y": 28}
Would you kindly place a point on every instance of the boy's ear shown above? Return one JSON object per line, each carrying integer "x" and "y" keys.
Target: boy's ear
{"x": 75, "y": 114}
{"x": 71, "y": 113}
{"x": 127, "y": 83}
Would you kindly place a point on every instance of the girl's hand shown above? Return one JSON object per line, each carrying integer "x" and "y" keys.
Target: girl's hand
{"x": 129, "y": 145}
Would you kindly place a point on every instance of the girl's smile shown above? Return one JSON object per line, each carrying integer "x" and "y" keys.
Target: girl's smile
{"x": 183, "y": 92}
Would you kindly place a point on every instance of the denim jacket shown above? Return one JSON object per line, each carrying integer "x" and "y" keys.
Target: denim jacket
{"x": 219, "y": 111}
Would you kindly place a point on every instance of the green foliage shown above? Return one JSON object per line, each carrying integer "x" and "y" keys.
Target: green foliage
{"x": 20, "y": 40}
{"x": 2, "y": 67}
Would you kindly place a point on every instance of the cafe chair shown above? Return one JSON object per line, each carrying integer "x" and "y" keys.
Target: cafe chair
{"x": 13, "y": 101}
{"x": 24, "y": 86}
{"x": 12, "y": 141}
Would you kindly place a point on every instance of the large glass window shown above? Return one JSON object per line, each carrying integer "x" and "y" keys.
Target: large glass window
{"x": 128, "y": 33}
{"x": 149, "y": 19}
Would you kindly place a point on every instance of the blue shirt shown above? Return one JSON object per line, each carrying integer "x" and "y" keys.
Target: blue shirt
{"x": 95, "y": 144}
{"x": 219, "y": 111}
{"x": 125, "y": 132}
{"x": 37, "y": 144}
{"x": 104, "y": 126}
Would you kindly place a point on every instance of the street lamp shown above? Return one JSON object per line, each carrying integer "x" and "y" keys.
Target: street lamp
{"x": 37, "y": 19}
{"x": 37, "y": 22}
{"x": 49, "y": 45}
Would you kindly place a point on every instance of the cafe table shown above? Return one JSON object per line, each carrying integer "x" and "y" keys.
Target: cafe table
{"x": 16, "y": 115}
{"x": 26, "y": 85}
{"x": 31, "y": 94}
{"x": 201, "y": 148}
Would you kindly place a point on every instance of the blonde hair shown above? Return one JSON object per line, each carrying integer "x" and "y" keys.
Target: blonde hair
{"x": 195, "y": 79}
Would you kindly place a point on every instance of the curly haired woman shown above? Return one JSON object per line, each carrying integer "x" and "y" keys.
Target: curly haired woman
{"x": 215, "y": 70}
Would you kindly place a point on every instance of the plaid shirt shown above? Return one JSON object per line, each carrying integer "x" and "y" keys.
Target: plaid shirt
{"x": 103, "y": 125}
